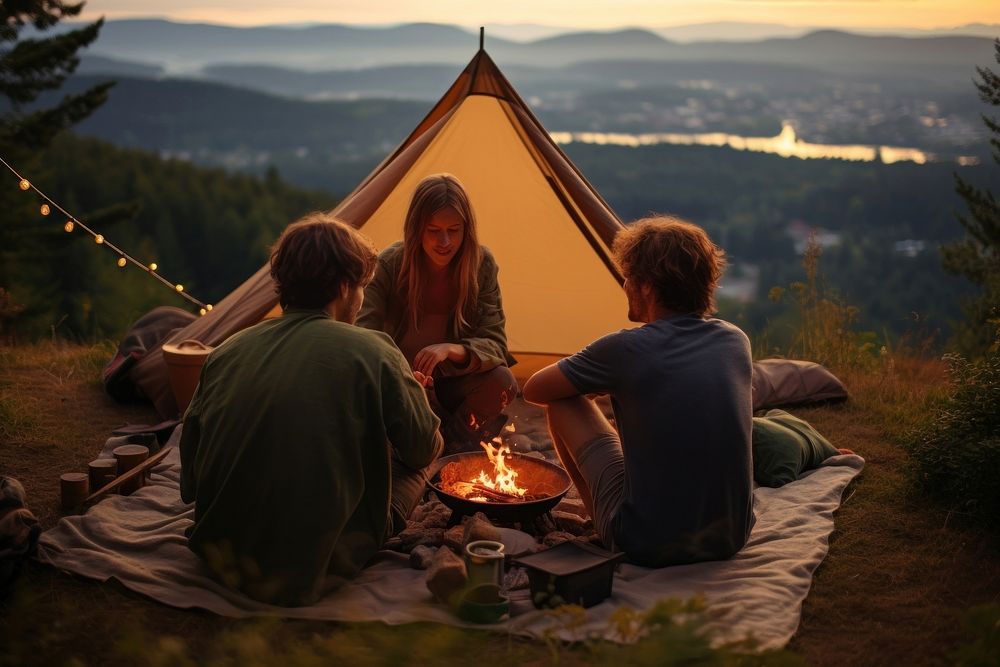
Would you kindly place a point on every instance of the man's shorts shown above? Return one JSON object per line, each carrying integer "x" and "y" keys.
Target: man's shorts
{"x": 602, "y": 465}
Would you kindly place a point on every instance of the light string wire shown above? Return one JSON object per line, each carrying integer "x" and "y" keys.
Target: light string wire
{"x": 100, "y": 239}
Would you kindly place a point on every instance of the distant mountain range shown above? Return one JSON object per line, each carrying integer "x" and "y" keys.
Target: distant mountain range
{"x": 839, "y": 87}
{"x": 189, "y": 48}
{"x": 745, "y": 32}
{"x": 715, "y": 31}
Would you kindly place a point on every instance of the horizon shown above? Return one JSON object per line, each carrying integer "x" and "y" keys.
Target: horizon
{"x": 588, "y": 15}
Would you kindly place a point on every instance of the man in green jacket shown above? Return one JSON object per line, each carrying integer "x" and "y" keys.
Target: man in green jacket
{"x": 304, "y": 446}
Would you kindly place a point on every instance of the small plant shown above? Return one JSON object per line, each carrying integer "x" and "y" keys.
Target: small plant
{"x": 825, "y": 332}
{"x": 956, "y": 454}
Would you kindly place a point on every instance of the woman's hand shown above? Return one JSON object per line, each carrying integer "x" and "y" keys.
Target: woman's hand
{"x": 427, "y": 359}
{"x": 424, "y": 380}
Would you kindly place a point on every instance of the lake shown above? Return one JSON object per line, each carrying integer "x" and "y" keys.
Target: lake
{"x": 785, "y": 144}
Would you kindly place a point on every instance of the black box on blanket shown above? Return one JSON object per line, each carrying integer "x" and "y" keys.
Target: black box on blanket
{"x": 573, "y": 572}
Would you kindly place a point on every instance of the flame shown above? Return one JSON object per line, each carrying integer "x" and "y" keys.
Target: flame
{"x": 502, "y": 479}
{"x": 503, "y": 476}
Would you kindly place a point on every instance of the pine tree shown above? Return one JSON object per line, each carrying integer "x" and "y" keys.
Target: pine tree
{"x": 977, "y": 258}
{"x": 30, "y": 66}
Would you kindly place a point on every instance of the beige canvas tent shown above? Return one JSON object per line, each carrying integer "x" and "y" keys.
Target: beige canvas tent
{"x": 547, "y": 227}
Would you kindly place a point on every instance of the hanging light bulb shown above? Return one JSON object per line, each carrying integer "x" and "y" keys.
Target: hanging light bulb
{"x": 45, "y": 209}
{"x": 202, "y": 311}
{"x": 179, "y": 287}
{"x": 99, "y": 239}
{"x": 68, "y": 226}
{"x": 152, "y": 266}
{"x": 25, "y": 184}
{"x": 208, "y": 307}
{"x": 122, "y": 262}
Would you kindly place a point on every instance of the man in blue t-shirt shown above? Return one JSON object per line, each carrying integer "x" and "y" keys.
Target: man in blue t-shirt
{"x": 673, "y": 483}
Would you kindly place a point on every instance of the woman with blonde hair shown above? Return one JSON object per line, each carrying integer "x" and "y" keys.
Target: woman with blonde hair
{"x": 436, "y": 294}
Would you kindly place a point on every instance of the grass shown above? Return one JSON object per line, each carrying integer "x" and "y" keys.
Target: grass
{"x": 901, "y": 572}
{"x": 900, "y": 576}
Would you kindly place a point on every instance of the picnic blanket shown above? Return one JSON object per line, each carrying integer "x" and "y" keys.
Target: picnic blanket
{"x": 139, "y": 541}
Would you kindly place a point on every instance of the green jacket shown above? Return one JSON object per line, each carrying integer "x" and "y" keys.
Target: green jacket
{"x": 287, "y": 451}
{"x": 485, "y": 338}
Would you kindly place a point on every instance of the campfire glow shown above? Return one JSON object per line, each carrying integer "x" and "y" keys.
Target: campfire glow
{"x": 486, "y": 486}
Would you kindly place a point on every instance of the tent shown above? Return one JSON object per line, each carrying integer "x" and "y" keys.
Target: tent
{"x": 549, "y": 230}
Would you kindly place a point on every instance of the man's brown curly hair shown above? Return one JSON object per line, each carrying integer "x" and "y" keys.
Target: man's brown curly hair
{"x": 315, "y": 258}
{"x": 674, "y": 257}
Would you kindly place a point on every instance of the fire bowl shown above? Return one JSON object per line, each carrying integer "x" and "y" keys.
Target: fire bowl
{"x": 546, "y": 482}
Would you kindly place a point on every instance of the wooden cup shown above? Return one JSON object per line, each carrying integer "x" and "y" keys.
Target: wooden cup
{"x": 101, "y": 472}
{"x": 128, "y": 457}
{"x": 73, "y": 489}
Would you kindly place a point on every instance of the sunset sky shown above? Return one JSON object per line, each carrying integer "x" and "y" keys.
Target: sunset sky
{"x": 592, "y": 14}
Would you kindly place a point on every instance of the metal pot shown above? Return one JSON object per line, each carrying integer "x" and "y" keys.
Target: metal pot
{"x": 539, "y": 476}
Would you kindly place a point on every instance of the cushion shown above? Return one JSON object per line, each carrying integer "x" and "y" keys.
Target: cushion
{"x": 788, "y": 382}
{"x": 784, "y": 447}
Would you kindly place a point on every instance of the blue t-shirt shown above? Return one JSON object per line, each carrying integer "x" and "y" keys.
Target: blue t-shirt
{"x": 680, "y": 388}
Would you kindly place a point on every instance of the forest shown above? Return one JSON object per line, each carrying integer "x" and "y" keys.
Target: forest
{"x": 748, "y": 200}
{"x": 205, "y": 228}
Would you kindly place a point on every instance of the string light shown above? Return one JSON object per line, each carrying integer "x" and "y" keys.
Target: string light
{"x": 123, "y": 257}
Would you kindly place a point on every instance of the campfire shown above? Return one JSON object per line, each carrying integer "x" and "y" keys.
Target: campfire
{"x": 506, "y": 486}
{"x": 499, "y": 485}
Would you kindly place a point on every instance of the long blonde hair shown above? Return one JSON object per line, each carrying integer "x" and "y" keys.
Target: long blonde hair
{"x": 434, "y": 193}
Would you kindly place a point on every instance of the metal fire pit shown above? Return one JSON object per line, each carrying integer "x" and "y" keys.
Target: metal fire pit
{"x": 540, "y": 477}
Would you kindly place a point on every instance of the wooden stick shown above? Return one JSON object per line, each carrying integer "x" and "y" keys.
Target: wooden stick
{"x": 124, "y": 477}
{"x": 491, "y": 494}
{"x": 497, "y": 495}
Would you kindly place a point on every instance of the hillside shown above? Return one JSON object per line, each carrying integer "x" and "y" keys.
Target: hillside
{"x": 899, "y": 577}
{"x": 195, "y": 116}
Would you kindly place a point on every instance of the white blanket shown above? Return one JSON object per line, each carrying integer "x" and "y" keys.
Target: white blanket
{"x": 139, "y": 540}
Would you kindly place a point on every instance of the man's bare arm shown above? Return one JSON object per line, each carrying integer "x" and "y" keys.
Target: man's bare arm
{"x": 547, "y": 385}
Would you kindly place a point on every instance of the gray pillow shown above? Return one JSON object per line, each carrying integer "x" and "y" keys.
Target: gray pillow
{"x": 787, "y": 382}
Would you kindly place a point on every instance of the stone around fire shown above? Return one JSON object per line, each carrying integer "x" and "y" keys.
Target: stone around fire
{"x": 446, "y": 575}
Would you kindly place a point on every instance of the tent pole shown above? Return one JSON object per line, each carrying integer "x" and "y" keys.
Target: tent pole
{"x": 482, "y": 34}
